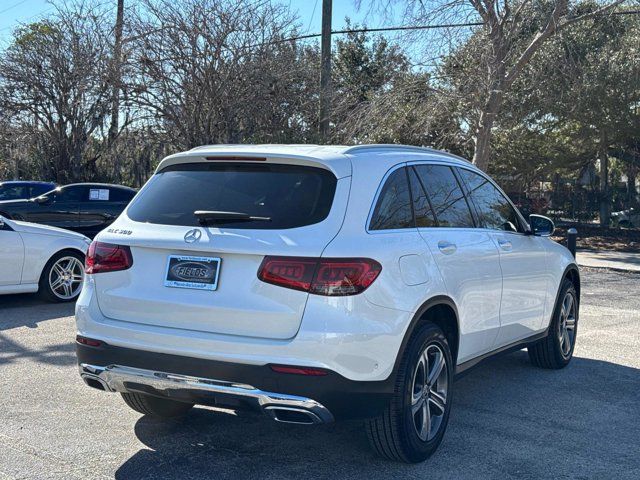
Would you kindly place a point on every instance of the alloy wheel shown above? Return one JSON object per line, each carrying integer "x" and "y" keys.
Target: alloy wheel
{"x": 429, "y": 392}
{"x": 66, "y": 277}
{"x": 567, "y": 324}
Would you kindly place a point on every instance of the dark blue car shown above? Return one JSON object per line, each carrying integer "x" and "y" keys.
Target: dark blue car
{"x": 20, "y": 190}
{"x": 83, "y": 207}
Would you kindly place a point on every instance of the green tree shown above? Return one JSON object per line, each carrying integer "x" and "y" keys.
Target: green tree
{"x": 588, "y": 79}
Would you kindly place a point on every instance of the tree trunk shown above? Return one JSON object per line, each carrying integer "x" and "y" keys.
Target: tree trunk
{"x": 482, "y": 153}
{"x": 605, "y": 208}
{"x": 631, "y": 186}
{"x": 482, "y": 145}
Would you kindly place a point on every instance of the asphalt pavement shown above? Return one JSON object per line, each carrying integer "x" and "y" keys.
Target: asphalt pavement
{"x": 509, "y": 419}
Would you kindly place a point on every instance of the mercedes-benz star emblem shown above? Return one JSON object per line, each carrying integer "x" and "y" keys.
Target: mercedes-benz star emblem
{"x": 192, "y": 235}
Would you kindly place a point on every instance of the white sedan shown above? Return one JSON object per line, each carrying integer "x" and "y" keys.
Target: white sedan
{"x": 39, "y": 258}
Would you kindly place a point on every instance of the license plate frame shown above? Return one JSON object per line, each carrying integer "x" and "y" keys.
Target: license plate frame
{"x": 188, "y": 278}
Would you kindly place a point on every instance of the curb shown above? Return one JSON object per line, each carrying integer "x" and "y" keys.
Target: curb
{"x": 613, "y": 269}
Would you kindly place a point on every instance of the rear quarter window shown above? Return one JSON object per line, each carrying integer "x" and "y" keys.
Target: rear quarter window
{"x": 393, "y": 209}
{"x": 290, "y": 195}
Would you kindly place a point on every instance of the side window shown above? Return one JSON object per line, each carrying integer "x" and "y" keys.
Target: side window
{"x": 38, "y": 190}
{"x": 393, "y": 209}
{"x": 447, "y": 199}
{"x": 421, "y": 206}
{"x": 13, "y": 192}
{"x": 71, "y": 194}
{"x": 120, "y": 195}
{"x": 494, "y": 210}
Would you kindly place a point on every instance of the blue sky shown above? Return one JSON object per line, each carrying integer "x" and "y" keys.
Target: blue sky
{"x": 14, "y": 12}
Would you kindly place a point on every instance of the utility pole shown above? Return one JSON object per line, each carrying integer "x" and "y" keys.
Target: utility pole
{"x": 116, "y": 79}
{"x": 325, "y": 70}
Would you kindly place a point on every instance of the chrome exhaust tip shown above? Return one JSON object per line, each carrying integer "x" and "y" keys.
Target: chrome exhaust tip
{"x": 298, "y": 416}
{"x": 95, "y": 382}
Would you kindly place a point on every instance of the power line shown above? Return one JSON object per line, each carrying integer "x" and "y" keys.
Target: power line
{"x": 313, "y": 14}
{"x": 23, "y": 22}
{"x": 396, "y": 29}
{"x": 13, "y": 6}
{"x": 365, "y": 30}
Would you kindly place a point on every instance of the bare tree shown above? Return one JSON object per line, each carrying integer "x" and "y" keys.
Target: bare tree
{"x": 503, "y": 24}
{"x": 514, "y": 32}
{"x": 54, "y": 81}
{"x": 214, "y": 71}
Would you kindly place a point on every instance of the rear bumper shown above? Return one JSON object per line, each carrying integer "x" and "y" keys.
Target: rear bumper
{"x": 281, "y": 407}
{"x": 284, "y": 397}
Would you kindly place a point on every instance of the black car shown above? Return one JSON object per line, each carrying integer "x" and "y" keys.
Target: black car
{"x": 83, "y": 207}
{"x": 23, "y": 189}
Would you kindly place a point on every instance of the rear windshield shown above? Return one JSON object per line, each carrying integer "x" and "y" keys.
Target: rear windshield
{"x": 291, "y": 195}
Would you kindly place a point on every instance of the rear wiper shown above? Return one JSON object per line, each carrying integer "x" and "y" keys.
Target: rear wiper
{"x": 206, "y": 217}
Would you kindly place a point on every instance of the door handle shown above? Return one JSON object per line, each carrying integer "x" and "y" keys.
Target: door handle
{"x": 447, "y": 247}
{"x": 505, "y": 244}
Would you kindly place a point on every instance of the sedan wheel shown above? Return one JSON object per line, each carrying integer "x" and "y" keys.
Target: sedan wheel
{"x": 62, "y": 277}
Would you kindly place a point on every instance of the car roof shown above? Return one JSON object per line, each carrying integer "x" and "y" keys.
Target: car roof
{"x": 110, "y": 185}
{"x": 322, "y": 151}
{"x": 337, "y": 158}
{"x": 26, "y": 182}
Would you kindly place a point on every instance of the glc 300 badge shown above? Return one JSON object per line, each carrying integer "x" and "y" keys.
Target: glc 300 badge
{"x": 192, "y": 235}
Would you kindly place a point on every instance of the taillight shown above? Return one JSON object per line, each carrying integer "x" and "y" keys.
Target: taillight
{"x": 322, "y": 276}
{"x": 107, "y": 257}
{"x": 290, "y": 272}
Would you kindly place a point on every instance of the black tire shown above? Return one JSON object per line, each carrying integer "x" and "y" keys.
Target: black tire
{"x": 394, "y": 435}
{"x": 44, "y": 287}
{"x": 550, "y": 351}
{"x": 156, "y": 406}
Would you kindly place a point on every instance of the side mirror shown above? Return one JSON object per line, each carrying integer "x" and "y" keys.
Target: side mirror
{"x": 541, "y": 225}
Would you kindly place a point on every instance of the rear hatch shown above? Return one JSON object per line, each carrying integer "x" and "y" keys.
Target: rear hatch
{"x": 174, "y": 256}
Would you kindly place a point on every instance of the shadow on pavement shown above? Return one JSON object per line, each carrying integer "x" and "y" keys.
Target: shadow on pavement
{"x": 62, "y": 354}
{"x": 29, "y": 309}
{"x": 509, "y": 419}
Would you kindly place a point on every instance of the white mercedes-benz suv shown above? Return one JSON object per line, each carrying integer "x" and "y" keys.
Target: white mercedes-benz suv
{"x": 317, "y": 283}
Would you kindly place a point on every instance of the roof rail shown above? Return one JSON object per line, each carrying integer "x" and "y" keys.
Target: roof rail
{"x": 392, "y": 146}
